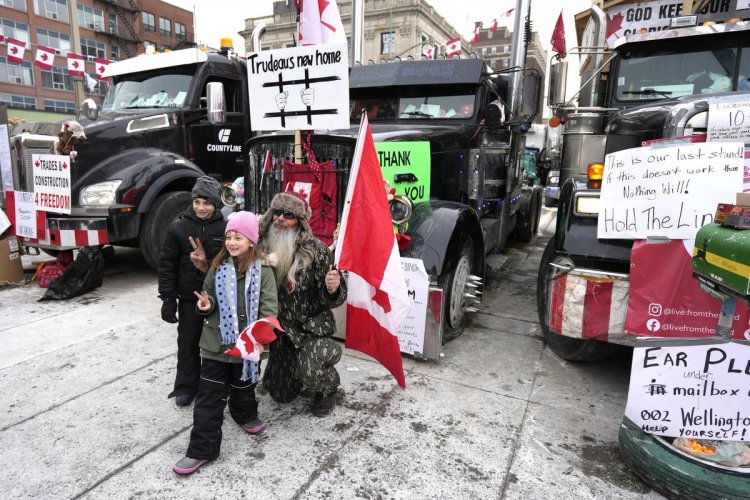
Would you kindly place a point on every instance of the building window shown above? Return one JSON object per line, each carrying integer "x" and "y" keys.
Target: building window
{"x": 14, "y": 4}
{"x": 53, "y": 40}
{"x": 149, "y": 21}
{"x": 506, "y": 49}
{"x": 92, "y": 49}
{"x": 388, "y": 43}
{"x": 113, "y": 23}
{"x": 180, "y": 31}
{"x": 16, "y": 73}
{"x": 52, "y": 9}
{"x": 58, "y": 106}
{"x": 115, "y": 53}
{"x": 91, "y": 18}
{"x": 484, "y": 51}
{"x": 18, "y": 101}
{"x": 494, "y": 51}
{"x": 14, "y": 29}
{"x": 57, "y": 78}
{"x": 100, "y": 89}
{"x": 165, "y": 27}
{"x": 147, "y": 44}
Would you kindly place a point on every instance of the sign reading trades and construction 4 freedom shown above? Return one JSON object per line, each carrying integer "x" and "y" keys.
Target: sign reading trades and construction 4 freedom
{"x": 406, "y": 167}
{"x": 667, "y": 191}
{"x": 299, "y": 88}
{"x": 697, "y": 389}
{"x": 52, "y": 183}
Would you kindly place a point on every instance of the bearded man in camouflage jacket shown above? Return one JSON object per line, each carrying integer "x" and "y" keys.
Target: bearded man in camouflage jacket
{"x": 304, "y": 355}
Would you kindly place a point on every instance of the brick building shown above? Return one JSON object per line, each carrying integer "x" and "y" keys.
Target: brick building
{"x": 108, "y": 29}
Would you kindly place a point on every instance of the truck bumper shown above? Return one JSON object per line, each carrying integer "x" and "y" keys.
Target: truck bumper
{"x": 65, "y": 233}
{"x": 589, "y": 304}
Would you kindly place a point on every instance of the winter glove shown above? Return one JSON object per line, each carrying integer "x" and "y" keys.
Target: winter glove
{"x": 169, "y": 311}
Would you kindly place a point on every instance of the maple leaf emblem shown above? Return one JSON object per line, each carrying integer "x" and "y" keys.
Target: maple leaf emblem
{"x": 381, "y": 299}
{"x": 100, "y": 70}
{"x": 249, "y": 346}
{"x": 65, "y": 165}
{"x": 44, "y": 57}
{"x": 36, "y": 164}
{"x": 75, "y": 64}
{"x": 614, "y": 24}
{"x": 304, "y": 194}
{"x": 14, "y": 50}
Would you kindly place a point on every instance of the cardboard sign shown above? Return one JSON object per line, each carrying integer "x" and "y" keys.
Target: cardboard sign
{"x": 398, "y": 160}
{"x": 694, "y": 389}
{"x": 299, "y": 88}
{"x": 25, "y": 215}
{"x": 729, "y": 121}
{"x": 52, "y": 183}
{"x": 411, "y": 332}
{"x": 667, "y": 191}
{"x": 6, "y": 171}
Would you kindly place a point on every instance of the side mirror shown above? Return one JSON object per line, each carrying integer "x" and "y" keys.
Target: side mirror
{"x": 90, "y": 109}
{"x": 558, "y": 76}
{"x": 217, "y": 108}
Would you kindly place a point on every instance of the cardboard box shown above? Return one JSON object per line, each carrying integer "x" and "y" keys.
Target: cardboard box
{"x": 11, "y": 269}
{"x": 743, "y": 199}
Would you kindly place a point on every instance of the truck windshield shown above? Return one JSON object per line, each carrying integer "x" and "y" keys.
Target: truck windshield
{"x": 649, "y": 75}
{"x": 164, "y": 88}
{"x": 441, "y": 107}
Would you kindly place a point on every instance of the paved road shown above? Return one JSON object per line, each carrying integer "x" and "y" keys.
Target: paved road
{"x": 84, "y": 385}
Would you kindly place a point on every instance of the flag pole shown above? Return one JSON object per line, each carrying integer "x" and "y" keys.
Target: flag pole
{"x": 75, "y": 45}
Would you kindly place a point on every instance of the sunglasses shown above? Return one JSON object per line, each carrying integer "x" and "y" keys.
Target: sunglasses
{"x": 284, "y": 213}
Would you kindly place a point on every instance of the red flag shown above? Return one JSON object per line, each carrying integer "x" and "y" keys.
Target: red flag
{"x": 453, "y": 47}
{"x": 475, "y": 39}
{"x": 16, "y": 49}
{"x": 558, "y": 38}
{"x": 2, "y": 38}
{"x": 320, "y": 22}
{"x": 268, "y": 163}
{"x": 76, "y": 65}
{"x": 493, "y": 28}
{"x": 508, "y": 12}
{"x": 429, "y": 52}
{"x": 101, "y": 65}
{"x": 44, "y": 57}
{"x": 377, "y": 298}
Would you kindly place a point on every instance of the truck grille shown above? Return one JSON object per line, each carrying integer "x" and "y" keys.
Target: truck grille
{"x": 22, "y": 149}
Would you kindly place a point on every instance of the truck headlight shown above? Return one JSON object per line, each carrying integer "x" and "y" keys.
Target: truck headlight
{"x": 587, "y": 205}
{"x": 101, "y": 194}
{"x": 401, "y": 209}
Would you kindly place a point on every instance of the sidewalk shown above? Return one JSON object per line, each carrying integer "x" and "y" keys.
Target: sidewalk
{"x": 84, "y": 384}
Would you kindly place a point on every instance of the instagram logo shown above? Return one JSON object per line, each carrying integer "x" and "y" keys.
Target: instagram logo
{"x": 654, "y": 309}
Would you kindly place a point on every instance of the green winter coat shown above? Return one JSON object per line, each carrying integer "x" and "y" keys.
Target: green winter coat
{"x": 210, "y": 343}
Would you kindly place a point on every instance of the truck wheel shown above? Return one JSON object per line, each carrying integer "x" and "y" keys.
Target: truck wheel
{"x": 536, "y": 207}
{"x": 550, "y": 202}
{"x": 527, "y": 218}
{"x": 568, "y": 348}
{"x": 454, "y": 287}
{"x": 676, "y": 475}
{"x": 165, "y": 210}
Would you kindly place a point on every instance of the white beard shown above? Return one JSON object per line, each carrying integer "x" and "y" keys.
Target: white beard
{"x": 281, "y": 243}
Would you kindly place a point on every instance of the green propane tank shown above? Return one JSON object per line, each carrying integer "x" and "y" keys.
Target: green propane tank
{"x": 722, "y": 255}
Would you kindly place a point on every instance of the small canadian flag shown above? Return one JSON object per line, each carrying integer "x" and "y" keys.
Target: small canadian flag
{"x": 257, "y": 333}
{"x": 101, "y": 65}
{"x": 475, "y": 38}
{"x": 453, "y": 47}
{"x": 44, "y": 57}
{"x": 76, "y": 65}
{"x": 429, "y": 53}
{"x": 16, "y": 49}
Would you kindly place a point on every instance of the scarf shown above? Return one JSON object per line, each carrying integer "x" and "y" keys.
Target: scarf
{"x": 226, "y": 292}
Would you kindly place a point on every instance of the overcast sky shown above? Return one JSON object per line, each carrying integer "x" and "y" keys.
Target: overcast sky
{"x": 215, "y": 19}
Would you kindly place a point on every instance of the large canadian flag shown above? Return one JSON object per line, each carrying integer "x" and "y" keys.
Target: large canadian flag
{"x": 44, "y": 57}
{"x": 76, "y": 65}
{"x": 453, "y": 47}
{"x": 377, "y": 299}
{"x": 16, "y": 49}
{"x": 320, "y": 22}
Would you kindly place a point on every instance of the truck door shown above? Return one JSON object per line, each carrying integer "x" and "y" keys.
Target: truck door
{"x": 216, "y": 146}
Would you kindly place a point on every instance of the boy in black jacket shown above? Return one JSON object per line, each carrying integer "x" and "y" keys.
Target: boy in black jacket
{"x": 188, "y": 248}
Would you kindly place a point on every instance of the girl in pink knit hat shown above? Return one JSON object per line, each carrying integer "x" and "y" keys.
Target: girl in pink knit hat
{"x": 239, "y": 289}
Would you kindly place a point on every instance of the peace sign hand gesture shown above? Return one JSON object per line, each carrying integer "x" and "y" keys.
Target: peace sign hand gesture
{"x": 198, "y": 255}
{"x": 204, "y": 304}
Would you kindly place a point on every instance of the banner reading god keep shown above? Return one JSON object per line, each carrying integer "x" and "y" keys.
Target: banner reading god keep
{"x": 667, "y": 191}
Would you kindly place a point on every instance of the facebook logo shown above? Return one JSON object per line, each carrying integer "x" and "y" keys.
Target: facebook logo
{"x": 653, "y": 325}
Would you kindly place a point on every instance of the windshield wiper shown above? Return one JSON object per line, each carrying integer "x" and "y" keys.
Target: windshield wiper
{"x": 664, "y": 93}
{"x": 417, "y": 113}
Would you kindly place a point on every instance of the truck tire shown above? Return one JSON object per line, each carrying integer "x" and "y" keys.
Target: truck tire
{"x": 675, "y": 475}
{"x": 527, "y": 221}
{"x": 550, "y": 201}
{"x": 165, "y": 210}
{"x": 454, "y": 286}
{"x": 536, "y": 205}
{"x": 568, "y": 348}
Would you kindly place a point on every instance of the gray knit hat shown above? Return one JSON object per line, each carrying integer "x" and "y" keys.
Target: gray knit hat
{"x": 209, "y": 189}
